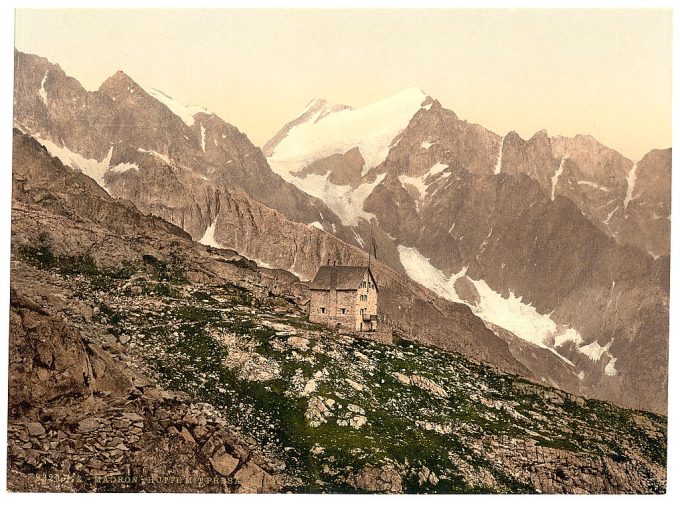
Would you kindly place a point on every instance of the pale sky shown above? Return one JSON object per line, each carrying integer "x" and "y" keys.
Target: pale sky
{"x": 606, "y": 73}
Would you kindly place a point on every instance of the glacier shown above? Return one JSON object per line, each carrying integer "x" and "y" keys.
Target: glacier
{"x": 371, "y": 128}
{"x": 510, "y": 313}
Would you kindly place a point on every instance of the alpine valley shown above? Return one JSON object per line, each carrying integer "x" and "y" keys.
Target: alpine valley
{"x": 158, "y": 291}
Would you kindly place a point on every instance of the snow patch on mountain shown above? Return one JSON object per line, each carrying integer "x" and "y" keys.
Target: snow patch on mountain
{"x": 202, "y": 137}
{"x": 426, "y": 144}
{"x": 436, "y": 169}
{"x": 609, "y": 216}
{"x": 485, "y": 242}
{"x": 630, "y": 180}
{"x": 510, "y": 313}
{"x": 371, "y": 128}
{"x": 94, "y": 169}
{"x": 593, "y": 185}
{"x": 156, "y": 154}
{"x": 555, "y": 178}
{"x": 521, "y": 319}
{"x": 358, "y": 238}
{"x": 610, "y": 369}
{"x": 419, "y": 269}
{"x": 416, "y": 182}
{"x": 124, "y": 167}
{"x": 420, "y": 182}
{"x": 42, "y": 92}
{"x": 499, "y": 160}
{"x": 316, "y": 224}
{"x": 208, "y": 237}
{"x": 184, "y": 112}
{"x": 594, "y": 350}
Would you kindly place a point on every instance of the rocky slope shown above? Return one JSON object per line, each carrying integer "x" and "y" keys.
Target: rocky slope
{"x": 143, "y": 361}
{"x": 527, "y": 233}
{"x": 83, "y": 414}
{"x": 217, "y": 200}
{"x": 514, "y": 229}
{"x": 82, "y": 419}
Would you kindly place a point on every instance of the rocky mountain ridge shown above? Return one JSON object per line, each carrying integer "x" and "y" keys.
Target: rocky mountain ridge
{"x": 434, "y": 203}
{"x": 590, "y": 172}
{"x": 137, "y": 147}
{"x": 527, "y": 233}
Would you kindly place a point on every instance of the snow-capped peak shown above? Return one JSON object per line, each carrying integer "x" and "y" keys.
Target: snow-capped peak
{"x": 371, "y": 128}
{"x": 314, "y": 104}
{"x": 184, "y": 112}
{"x": 316, "y": 110}
{"x": 413, "y": 91}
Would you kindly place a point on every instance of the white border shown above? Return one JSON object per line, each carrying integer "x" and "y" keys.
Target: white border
{"x": 6, "y": 83}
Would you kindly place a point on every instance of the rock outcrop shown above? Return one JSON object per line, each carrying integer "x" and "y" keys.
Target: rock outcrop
{"x": 82, "y": 419}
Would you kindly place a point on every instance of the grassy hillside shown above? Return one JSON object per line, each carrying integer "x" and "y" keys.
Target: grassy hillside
{"x": 346, "y": 414}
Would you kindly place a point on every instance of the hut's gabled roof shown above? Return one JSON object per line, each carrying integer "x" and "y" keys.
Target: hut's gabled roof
{"x": 340, "y": 277}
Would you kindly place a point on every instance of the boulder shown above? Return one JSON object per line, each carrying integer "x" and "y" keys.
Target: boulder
{"x": 224, "y": 464}
{"x": 35, "y": 429}
{"x": 378, "y": 480}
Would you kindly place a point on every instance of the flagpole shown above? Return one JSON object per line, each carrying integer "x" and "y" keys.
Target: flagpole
{"x": 370, "y": 244}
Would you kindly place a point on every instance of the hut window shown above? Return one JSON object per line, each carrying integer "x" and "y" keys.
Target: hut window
{"x": 322, "y": 310}
{"x": 343, "y": 311}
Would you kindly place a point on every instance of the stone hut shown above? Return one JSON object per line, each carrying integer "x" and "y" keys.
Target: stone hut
{"x": 344, "y": 297}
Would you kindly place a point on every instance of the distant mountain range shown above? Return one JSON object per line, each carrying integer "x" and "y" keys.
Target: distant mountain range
{"x": 549, "y": 256}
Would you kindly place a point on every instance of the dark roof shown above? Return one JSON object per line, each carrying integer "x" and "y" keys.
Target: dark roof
{"x": 340, "y": 277}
